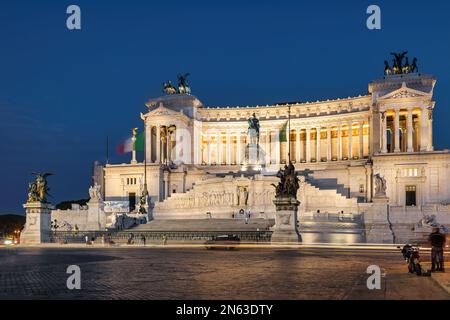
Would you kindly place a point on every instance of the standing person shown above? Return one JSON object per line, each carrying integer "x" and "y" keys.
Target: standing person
{"x": 164, "y": 240}
{"x": 86, "y": 238}
{"x": 143, "y": 239}
{"x": 437, "y": 240}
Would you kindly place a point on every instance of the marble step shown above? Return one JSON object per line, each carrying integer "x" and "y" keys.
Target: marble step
{"x": 205, "y": 225}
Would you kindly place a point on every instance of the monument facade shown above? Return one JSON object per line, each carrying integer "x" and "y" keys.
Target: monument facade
{"x": 370, "y": 157}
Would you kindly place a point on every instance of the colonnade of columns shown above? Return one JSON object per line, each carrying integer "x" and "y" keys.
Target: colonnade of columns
{"x": 406, "y": 130}
{"x": 321, "y": 143}
{"x": 161, "y": 143}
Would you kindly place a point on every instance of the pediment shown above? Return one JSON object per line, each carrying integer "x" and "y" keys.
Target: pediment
{"x": 160, "y": 110}
{"x": 405, "y": 93}
{"x": 162, "y": 113}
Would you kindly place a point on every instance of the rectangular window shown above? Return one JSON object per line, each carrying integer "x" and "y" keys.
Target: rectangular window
{"x": 410, "y": 195}
{"x": 410, "y": 172}
{"x": 132, "y": 201}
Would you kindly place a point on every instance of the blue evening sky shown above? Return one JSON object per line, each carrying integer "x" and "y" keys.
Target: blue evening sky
{"x": 62, "y": 92}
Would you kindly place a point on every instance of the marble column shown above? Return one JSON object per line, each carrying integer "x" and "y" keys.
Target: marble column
{"x": 228, "y": 147}
{"x": 277, "y": 147}
{"x": 383, "y": 132}
{"x": 409, "y": 120}
{"x": 158, "y": 144}
{"x": 361, "y": 140}
{"x": 430, "y": 146}
{"x": 328, "y": 143}
{"x": 148, "y": 143}
{"x": 350, "y": 141}
{"x": 397, "y": 131}
{"x": 423, "y": 129}
{"x": 339, "y": 133}
{"x": 288, "y": 143}
{"x": 177, "y": 146}
{"x": 318, "y": 153}
{"x": 133, "y": 152}
{"x": 308, "y": 144}
{"x": 168, "y": 142}
{"x": 267, "y": 146}
{"x": 208, "y": 149}
{"x": 219, "y": 148}
{"x": 297, "y": 145}
{"x": 239, "y": 151}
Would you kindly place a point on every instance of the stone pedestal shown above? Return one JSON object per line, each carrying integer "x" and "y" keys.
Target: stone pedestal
{"x": 252, "y": 158}
{"x": 285, "y": 229}
{"x": 96, "y": 219}
{"x": 376, "y": 219}
{"x": 38, "y": 223}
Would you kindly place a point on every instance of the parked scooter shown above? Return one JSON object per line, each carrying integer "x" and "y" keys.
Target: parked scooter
{"x": 412, "y": 257}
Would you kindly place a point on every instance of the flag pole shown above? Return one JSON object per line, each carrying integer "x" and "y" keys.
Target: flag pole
{"x": 145, "y": 163}
{"x": 289, "y": 134}
{"x": 145, "y": 171}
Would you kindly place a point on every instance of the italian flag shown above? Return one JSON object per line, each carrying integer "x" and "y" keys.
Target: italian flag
{"x": 283, "y": 134}
{"x": 127, "y": 145}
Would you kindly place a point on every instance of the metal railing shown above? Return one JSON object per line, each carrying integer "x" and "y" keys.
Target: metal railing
{"x": 121, "y": 237}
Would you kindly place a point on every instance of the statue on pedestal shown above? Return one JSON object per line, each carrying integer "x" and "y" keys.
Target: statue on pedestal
{"x": 38, "y": 190}
{"x": 169, "y": 88}
{"x": 400, "y": 67}
{"x": 387, "y": 68}
{"x": 252, "y": 158}
{"x": 413, "y": 67}
{"x": 183, "y": 85}
{"x": 143, "y": 201}
{"x": 286, "y": 204}
{"x": 253, "y": 129}
{"x": 38, "y": 211}
{"x": 289, "y": 183}
{"x": 95, "y": 193}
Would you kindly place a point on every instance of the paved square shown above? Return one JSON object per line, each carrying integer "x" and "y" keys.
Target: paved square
{"x": 175, "y": 273}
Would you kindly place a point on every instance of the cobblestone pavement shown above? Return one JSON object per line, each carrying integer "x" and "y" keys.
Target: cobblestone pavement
{"x": 170, "y": 273}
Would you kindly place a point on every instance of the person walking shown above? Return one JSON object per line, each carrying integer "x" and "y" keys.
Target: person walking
{"x": 143, "y": 239}
{"x": 437, "y": 240}
{"x": 86, "y": 238}
{"x": 130, "y": 238}
{"x": 164, "y": 240}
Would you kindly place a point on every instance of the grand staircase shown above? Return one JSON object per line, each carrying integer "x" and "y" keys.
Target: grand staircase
{"x": 329, "y": 184}
{"x": 321, "y": 200}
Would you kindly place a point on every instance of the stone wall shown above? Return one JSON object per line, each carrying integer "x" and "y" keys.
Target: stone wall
{"x": 84, "y": 218}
